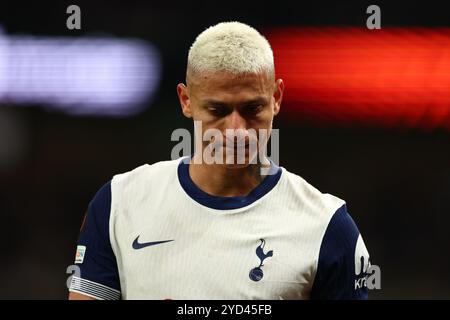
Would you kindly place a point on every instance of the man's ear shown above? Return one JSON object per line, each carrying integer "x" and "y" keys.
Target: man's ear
{"x": 183, "y": 96}
{"x": 278, "y": 95}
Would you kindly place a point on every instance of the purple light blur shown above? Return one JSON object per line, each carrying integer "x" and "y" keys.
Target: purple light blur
{"x": 79, "y": 76}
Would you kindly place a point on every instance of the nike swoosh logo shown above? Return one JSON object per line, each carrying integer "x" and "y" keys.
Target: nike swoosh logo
{"x": 136, "y": 245}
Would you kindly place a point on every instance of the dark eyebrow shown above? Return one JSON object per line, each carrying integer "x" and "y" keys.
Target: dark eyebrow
{"x": 215, "y": 103}
{"x": 258, "y": 100}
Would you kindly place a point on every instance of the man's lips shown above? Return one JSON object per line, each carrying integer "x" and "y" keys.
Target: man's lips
{"x": 230, "y": 144}
{"x": 236, "y": 145}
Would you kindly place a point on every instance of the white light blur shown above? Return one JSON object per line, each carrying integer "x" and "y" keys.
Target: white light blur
{"x": 85, "y": 75}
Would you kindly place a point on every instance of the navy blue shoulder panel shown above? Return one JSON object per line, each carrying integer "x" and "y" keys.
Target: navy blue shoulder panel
{"x": 99, "y": 262}
{"x": 336, "y": 274}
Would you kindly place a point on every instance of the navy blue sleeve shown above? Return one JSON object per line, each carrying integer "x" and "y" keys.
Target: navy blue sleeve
{"x": 338, "y": 271}
{"x": 99, "y": 276}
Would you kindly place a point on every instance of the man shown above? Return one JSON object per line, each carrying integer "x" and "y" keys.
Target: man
{"x": 201, "y": 229}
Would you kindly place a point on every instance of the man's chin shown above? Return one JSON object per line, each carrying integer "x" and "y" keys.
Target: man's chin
{"x": 237, "y": 165}
{"x": 242, "y": 163}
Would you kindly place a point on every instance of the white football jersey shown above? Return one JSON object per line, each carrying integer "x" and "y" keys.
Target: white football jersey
{"x": 151, "y": 233}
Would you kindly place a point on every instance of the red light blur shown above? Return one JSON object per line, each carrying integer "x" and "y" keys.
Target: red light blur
{"x": 393, "y": 77}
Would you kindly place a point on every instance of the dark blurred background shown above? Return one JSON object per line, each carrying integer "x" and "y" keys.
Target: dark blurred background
{"x": 395, "y": 178}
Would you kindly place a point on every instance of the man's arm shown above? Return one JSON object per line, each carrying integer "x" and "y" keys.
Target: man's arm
{"x": 98, "y": 277}
{"x": 79, "y": 296}
{"x": 343, "y": 260}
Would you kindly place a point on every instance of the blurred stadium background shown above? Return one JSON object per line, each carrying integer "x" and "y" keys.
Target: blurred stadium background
{"x": 366, "y": 117}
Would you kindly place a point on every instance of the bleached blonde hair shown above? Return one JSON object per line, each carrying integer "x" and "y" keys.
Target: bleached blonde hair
{"x": 230, "y": 46}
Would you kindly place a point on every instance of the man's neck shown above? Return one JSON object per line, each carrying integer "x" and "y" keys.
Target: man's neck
{"x": 221, "y": 180}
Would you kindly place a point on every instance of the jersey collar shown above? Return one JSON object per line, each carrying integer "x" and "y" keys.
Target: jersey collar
{"x": 226, "y": 203}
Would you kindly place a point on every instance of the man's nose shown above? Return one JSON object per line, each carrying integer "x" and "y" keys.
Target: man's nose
{"x": 236, "y": 121}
